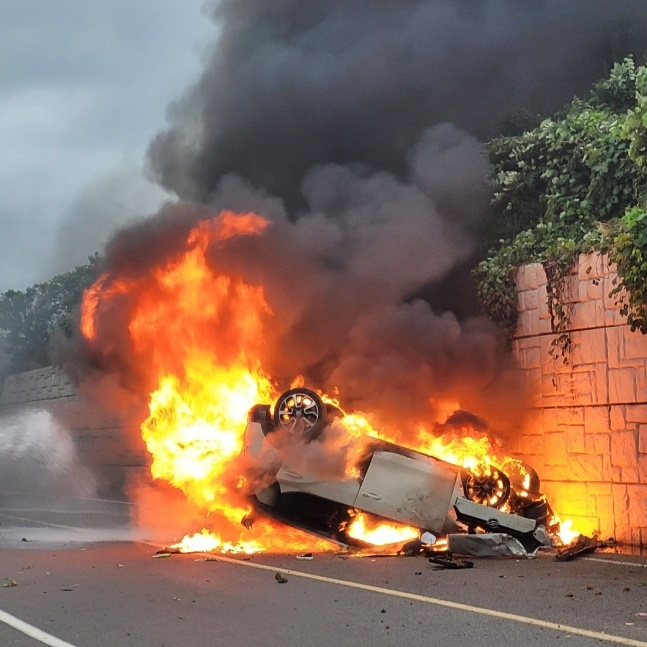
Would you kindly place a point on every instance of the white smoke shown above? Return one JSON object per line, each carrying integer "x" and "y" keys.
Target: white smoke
{"x": 39, "y": 461}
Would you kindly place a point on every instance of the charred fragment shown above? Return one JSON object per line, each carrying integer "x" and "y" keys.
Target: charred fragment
{"x": 582, "y": 546}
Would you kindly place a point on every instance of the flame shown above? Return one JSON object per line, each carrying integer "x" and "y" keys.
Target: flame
{"x": 379, "y": 533}
{"x": 564, "y": 530}
{"x": 199, "y": 334}
{"x": 196, "y": 334}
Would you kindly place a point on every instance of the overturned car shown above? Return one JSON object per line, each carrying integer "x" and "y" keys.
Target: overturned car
{"x": 387, "y": 481}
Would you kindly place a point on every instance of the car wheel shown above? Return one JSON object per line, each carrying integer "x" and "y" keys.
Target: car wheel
{"x": 300, "y": 411}
{"x": 491, "y": 489}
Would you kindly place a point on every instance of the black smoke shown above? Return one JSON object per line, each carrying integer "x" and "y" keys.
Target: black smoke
{"x": 292, "y": 84}
{"x": 357, "y": 128}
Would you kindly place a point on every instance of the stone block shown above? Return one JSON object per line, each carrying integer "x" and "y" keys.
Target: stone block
{"x": 587, "y": 314}
{"x": 600, "y": 489}
{"x": 531, "y": 445}
{"x": 622, "y": 385}
{"x": 607, "y": 527}
{"x": 542, "y": 302}
{"x": 526, "y": 326}
{"x": 637, "y": 505}
{"x": 604, "y": 506}
{"x": 575, "y": 440}
{"x": 597, "y": 444}
{"x": 571, "y": 289}
{"x": 624, "y": 449}
{"x": 571, "y": 499}
{"x": 531, "y": 300}
{"x": 593, "y": 266}
{"x": 562, "y": 418}
{"x": 612, "y": 301}
{"x": 621, "y": 504}
{"x": 642, "y": 439}
{"x": 635, "y": 345}
{"x": 641, "y": 382}
{"x": 642, "y": 469}
{"x": 525, "y": 279}
{"x": 601, "y": 384}
{"x": 630, "y": 475}
{"x": 530, "y": 277}
{"x": 596, "y": 419}
{"x": 636, "y": 413}
{"x": 555, "y": 452}
{"x": 533, "y": 357}
{"x": 594, "y": 289}
{"x": 617, "y": 418}
{"x": 579, "y": 469}
{"x": 590, "y": 346}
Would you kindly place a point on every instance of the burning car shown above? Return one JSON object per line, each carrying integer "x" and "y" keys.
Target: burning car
{"x": 381, "y": 479}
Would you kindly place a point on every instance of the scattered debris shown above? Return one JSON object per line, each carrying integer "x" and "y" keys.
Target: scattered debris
{"x": 428, "y": 538}
{"x": 280, "y": 579}
{"x": 161, "y": 553}
{"x": 248, "y": 521}
{"x": 488, "y": 544}
{"x": 411, "y": 548}
{"x": 582, "y": 546}
{"x": 8, "y": 582}
{"x": 305, "y": 556}
{"x": 451, "y": 562}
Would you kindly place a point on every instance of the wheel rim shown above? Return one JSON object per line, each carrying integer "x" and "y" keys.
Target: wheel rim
{"x": 298, "y": 412}
{"x": 492, "y": 489}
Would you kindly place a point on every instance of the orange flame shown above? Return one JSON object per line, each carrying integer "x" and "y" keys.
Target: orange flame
{"x": 196, "y": 333}
{"x": 379, "y": 533}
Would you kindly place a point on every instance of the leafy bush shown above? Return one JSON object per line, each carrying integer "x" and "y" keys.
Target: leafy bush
{"x": 575, "y": 183}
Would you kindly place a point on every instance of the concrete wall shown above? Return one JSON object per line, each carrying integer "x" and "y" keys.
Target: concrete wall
{"x": 106, "y": 442}
{"x": 587, "y": 436}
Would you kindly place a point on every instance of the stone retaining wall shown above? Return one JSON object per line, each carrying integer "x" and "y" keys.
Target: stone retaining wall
{"x": 587, "y": 436}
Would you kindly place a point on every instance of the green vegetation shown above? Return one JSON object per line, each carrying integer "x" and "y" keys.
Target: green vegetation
{"x": 29, "y": 319}
{"x": 575, "y": 183}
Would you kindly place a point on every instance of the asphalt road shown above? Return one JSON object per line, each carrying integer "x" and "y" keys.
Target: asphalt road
{"x": 88, "y": 586}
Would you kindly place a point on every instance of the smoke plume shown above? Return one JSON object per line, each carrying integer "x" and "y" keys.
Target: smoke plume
{"x": 356, "y": 129}
{"x": 291, "y": 85}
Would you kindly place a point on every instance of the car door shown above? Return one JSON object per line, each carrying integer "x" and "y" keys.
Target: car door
{"x": 291, "y": 479}
{"x": 414, "y": 490}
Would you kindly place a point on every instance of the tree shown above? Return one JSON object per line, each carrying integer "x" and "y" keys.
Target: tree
{"x": 574, "y": 183}
{"x": 29, "y": 319}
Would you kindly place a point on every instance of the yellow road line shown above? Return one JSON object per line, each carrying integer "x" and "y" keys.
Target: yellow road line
{"x": 596, "y": 635}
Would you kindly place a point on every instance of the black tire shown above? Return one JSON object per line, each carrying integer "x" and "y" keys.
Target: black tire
{"x": 300, "y": 411}
{"x": 491, "y": 489}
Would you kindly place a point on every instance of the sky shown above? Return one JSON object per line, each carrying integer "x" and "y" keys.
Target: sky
{"x": 84, "y": 87}
{"x": 92, "y": 92}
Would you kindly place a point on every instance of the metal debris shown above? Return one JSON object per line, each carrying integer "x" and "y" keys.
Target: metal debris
{"x": 582, "y": 546}
{"x": 487, "y": 545}
{"x": 280, "y": 579}
{"x": 248, "y": 521}
{"x": 451, "y": 562}
{"x": 411, "y": 548}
